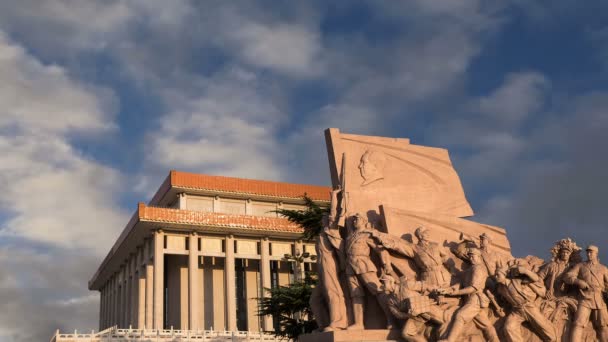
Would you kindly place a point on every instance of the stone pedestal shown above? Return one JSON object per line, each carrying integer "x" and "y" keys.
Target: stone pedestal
{"x": 352, "y": 336}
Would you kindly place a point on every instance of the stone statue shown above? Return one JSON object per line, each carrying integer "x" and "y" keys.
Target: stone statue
{"x": 476, "y": 301}
{"x": 361, "y": 271}
{"x": 521, "y": 288}
{"x": 490, "y": 258}
{"x": 328, "y": 296}
{"x": 591, "y": 278}
{"x": 430, "y": 292}
{"x": 560, "y": 303}
{"x": 429, "y": 257}
{"x": 552, "y": 273}
{"x": 409, "y": 300}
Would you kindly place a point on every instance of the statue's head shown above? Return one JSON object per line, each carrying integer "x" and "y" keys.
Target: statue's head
{"x": 474, "y": 255}
{"x": 516, "y": 265}
{"x": 564, "y": 254}
{"x": 422, "y": 233}
{"x": 484, "y": 240}
{"x": 592, "y": 252}
{"x": 564, "y": 249}
{"x": 371, "y": 166}
{"x": 360, "y": 222}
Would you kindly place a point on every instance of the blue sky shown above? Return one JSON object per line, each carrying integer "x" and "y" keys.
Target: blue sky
{"x": 100, "y": 99}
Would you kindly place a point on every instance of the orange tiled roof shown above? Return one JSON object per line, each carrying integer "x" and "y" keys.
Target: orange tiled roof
{"x": 180, "y": 216}
{"x": 240, "y": 185}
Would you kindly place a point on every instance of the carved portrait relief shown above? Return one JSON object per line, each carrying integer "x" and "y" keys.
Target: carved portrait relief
{"x": 371, "y": 167}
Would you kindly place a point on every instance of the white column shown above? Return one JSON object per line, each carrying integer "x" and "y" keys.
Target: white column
{"x": 149, "y": 296}
{"x": 108, "y": 306}
{"x": 229, "y": 274}
{"x": 141, "y": 289}
{"x": 216, "y": 204}
{"x": 123, "y": 297}
{"x": 134, "y": 290}
{"x": 116, "y": 299}
{"x": 106, "y": 296}
{"x": 248, "y": 207}
{"x": 128, "y": 291}
{"x": 149, "y": 284}
{"x": 159, "y": 269}
{"x": 119, "y": 289}
{"x": 112, "y": 301}
{"x": 279, "y": 206}
{"x": 181, "y": 201}
{"x": 149, "y": 321}
{"x": 193, "y": 286}
{"x": 101, "y": 308}
{"x": 265, "y": 275}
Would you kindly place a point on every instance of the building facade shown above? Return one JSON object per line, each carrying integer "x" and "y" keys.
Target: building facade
{"x": 198, "y": 255}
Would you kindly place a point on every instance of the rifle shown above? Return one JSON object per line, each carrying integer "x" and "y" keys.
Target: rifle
{"x": 499, "y": 311}
{"x": 342, "y": 201}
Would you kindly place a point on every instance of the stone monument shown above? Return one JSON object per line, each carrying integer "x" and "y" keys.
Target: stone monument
{"x": 401, "y": 259}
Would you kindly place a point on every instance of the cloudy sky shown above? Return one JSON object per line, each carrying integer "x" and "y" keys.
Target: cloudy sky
{"x": 100, "y": 99}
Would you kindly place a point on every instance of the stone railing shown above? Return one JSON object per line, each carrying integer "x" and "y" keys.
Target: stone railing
{"x": 114, "y": 334}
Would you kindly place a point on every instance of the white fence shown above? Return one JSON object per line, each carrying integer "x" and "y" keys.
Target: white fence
{"x": 114, "y": 334}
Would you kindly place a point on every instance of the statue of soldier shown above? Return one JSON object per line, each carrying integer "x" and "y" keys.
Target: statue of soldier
{"x": 401, "y": 297}
{"x": 552, "y": 273}
{"x": 591, "y": 278}
{"x": 560, "y": 303}
{"x": 328, "y": 296}
{"x": 361, "y": 271}
{"x": 429, "y": 257}
{"x": 521, "y": 287}
{"x": 490, "y": 258}
{"x": 476, "y": 302}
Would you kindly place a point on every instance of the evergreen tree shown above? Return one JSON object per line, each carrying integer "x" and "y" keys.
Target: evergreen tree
{"x": 290, "y": 308}
{"x": 309, "y": 219}
{"x": 289, "y": 305}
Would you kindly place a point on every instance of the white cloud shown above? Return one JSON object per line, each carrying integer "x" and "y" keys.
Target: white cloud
{"x": 288, "y": 48}
{"x": 522, "y": 94}
{"x": 229, "y": 128}
{"x": 53, "y": 194}
{"x": 43, "y": 98}
{"x": 59, "y": 27}
{"x": 49, "y": 289}
{"x": 561, "y": 191}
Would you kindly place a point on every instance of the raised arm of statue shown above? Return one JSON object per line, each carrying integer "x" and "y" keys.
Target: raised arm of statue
{"x": 395, "y": 244}
{"x": 334, "y": 214}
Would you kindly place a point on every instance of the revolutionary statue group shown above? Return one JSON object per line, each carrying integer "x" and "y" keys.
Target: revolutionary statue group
{"x": 556, "y": 300}
{"x": 463, "y": 289}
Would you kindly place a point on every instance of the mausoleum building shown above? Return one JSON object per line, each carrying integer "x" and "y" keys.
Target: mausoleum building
{"x": 198, "y": 255}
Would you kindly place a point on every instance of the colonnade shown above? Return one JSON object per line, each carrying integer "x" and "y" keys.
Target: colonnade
{"x": 136, "y": 295}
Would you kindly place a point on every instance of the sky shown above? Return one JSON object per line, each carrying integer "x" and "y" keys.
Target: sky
{"x": 99, "y": 99}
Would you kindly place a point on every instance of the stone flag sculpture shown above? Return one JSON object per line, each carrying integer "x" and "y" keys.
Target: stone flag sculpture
{"x": 411, "y": 185}
{"x": 395, "y": 173}
{"x": 400, "y": 259}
